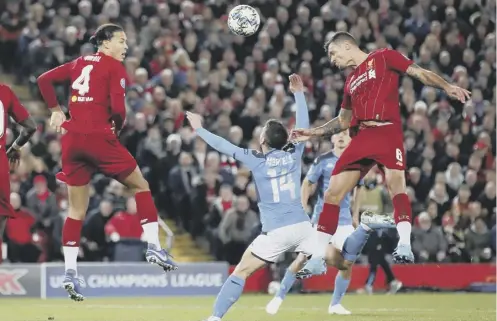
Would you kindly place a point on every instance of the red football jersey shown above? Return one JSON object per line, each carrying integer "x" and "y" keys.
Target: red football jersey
{"x": 9, "y": 106}
{"x": 97, "y": 84}
{"x": 372, "y": 89}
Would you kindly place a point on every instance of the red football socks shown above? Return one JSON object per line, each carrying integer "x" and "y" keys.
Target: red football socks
{"x": 328, "y": 220}
{"x": 402, "y": 208}
{"x": 145, "y": 207}
{"x": 71, "y": 232}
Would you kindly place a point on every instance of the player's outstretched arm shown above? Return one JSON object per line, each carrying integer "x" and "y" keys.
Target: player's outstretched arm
{"x": 302, "y": 114}
{"x": 429, "y": 78}
{"x": 220, "y": 144}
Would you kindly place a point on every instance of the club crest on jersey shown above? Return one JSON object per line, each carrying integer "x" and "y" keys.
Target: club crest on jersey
{"x": 368, "y": 75}
{"x": 123, "y": 83}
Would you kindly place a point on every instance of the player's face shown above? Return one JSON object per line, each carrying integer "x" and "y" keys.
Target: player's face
{"x": 341, "y": 140}
{"x": 338, "y": 54}
{"x": 118, "y": 45}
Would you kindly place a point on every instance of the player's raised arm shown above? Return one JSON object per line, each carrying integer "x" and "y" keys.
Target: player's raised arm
{"x": 220, "y": 144}
{"x": 397, "y": 61}
{"x": 302, "y": 113}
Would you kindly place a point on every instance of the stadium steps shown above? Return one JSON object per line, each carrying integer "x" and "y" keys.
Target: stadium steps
{"x": 184, "y": 247}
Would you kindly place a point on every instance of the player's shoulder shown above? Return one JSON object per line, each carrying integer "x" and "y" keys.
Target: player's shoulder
{"x": 4, "y": 88}
{"x": 254, "y": 153}
{"x": 380, "y": 52}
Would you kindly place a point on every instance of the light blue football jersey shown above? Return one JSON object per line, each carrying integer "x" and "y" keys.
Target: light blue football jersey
{"x": 320, "y": 174}
{"x": 276, "y": 174}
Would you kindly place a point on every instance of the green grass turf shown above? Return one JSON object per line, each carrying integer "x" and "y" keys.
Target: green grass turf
{"x": 401, "y": 307}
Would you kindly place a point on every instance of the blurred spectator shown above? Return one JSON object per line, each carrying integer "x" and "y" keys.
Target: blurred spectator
{"x": 21, "y": 234}
{"x": 478, "y": 241}
{"x": 93, "y": 237}
{"x": 429, "y": 244}
{"x": 236, "y": 228}
{"x": 125, "y": 232}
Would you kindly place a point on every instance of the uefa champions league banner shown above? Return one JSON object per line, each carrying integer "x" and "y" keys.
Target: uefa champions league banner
{"x": 138, "y": 279}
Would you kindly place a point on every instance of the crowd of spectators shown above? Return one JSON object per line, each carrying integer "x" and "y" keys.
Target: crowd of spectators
{"x": 182, "y": 57}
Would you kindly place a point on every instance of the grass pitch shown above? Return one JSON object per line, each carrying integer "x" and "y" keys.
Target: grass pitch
{"x": 401, "y": 307}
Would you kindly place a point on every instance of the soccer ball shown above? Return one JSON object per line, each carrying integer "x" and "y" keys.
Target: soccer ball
{"x": 243, "y": 20}
{"x": 273, "y": 287}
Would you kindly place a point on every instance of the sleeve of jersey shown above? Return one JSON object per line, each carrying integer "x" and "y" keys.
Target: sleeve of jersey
{"x": 314, "y": 172}
{"x": 46, "y": 83}
{"x": 16, "y": 109}
{"x": 396, "y": 61}
{"x": 346, "y": 101}
{"x": 246, "y": 156}
{"x": 117, "y": 97}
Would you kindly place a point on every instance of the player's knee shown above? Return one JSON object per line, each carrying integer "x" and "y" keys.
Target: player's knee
{"x": 333, "y": 196}
{"x": 396, "y": 182}
{"x": 346, "y": 274}
{"x": 76, "y": 213}
{"x": 298, "y": 263}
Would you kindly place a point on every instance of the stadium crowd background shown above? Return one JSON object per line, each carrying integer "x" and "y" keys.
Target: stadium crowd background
{"x": 182, "y": 57}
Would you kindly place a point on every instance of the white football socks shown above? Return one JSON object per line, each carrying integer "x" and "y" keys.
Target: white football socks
{"x": 151, "y": 231}
{"x": 70, "y": 257}
{"x": 404, "y": 230}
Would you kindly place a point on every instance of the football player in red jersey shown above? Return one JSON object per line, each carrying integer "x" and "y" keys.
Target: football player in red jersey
{"x": 90, "y": 143}
{"x": 9, "y": 159}
{"x": 371, "y": 99}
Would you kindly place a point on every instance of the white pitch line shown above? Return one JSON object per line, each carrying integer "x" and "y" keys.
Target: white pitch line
{"x": 243, "y": 307}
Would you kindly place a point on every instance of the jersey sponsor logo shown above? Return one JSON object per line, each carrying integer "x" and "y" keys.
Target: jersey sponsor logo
{"x": 368, "y": 75}
{"x": 123, "y": 83}
{"x": 81, "y": 99}
{"x": 9, "y": 282}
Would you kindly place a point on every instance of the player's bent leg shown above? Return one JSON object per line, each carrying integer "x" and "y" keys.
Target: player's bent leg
{"x": 79, "y": 197}
{"x": 286, "y": 284}
{"x": 233, "y": 286}
{"x": 149, "y": 219}
{"x": 343, "y": 182}
{"x": 396, "y": 183}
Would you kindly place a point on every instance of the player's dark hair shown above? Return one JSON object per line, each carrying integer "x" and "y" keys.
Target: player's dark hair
{"x": 276, "y": 134}
{"x": 340, "y": 37}
{"x": 104, "y": 32}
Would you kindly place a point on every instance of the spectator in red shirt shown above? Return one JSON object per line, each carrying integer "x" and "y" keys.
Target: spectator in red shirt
{"x": 125, "y": 224}
{"x": 19, "y": 232}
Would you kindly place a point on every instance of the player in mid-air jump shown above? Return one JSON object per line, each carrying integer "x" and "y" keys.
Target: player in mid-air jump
{"x": 9, "y": 159}
{"x": 371, "y": 98}
{"x": 342, "y": 251}
{"x": 90, "y": 143}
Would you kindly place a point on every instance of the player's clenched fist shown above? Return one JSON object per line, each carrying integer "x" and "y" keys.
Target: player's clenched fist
{"x": 57, "y": 119}
{"x": 296, "y": 84}
{"x": 194, "y": 119}
{"x": 300, "y": 135}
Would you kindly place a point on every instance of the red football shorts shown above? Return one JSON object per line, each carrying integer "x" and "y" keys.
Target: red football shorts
{"x": 84, "y": 154}
{"x": 5, "y": 207}
{"x": 382, "y": 145}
